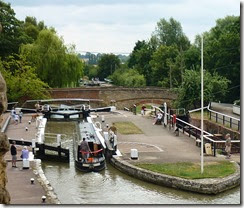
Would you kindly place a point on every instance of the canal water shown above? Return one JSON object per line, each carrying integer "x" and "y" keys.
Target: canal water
{"x": 113, "y": 187}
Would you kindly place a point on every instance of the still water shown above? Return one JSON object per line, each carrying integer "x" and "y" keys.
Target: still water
{"x": 113, "y": 187}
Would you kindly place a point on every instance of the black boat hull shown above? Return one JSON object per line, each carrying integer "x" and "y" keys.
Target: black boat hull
{"x": 89, "y": 167}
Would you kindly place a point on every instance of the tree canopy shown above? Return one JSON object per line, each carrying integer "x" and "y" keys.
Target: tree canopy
{"x": 55, "y": 64}
{"x": 107, "y": 65}
{"x": 189, "y": 93}
{"x": 21, "y": 79}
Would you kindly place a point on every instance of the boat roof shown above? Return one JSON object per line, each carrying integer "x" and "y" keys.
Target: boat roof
{"x": 87, "y": 131}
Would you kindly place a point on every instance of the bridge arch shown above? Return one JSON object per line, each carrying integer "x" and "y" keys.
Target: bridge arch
{"x": 120, "y": 96}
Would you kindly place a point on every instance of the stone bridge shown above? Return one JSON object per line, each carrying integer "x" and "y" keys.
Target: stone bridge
{"x": 119, "y": 96}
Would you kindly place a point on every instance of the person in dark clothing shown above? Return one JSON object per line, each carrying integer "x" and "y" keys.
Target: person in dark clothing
{"x": 13, "y": 151}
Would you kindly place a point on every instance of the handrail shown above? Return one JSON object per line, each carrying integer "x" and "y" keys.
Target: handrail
{"x": 194, "y": 110}
{"x": 222, "y": 114}
{"x": 205, "y": 136}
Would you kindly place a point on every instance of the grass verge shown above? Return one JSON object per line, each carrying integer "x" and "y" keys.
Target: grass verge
{"x": 127, "y": 128}
{"x": 192, "y": 170}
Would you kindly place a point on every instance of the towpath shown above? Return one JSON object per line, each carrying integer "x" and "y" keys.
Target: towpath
{"x": 19, "y": 185}
{"x": 157, "y": 144}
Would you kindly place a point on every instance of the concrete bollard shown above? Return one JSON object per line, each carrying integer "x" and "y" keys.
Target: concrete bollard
{"x": 32, "y": 180}
{"x": 134, "y": 154}
{"x": 44, "y": 199}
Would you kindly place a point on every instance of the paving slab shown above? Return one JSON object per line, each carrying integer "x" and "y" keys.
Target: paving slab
{"x": 19, "y": 186}
{"x": 157, "y": 144}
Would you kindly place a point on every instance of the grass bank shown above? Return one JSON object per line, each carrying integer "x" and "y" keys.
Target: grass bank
{"x": 127, "y": 128}
{"x": 192, "y": 170}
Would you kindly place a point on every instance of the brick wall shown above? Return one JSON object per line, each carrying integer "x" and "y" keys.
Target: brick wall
{"x": 123, "y": 97}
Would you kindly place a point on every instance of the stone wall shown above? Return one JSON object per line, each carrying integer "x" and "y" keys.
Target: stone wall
{"x": 204, "y": 186}
{"x": 214, "y": 128}
{"x": 4, "y": 147}
{"x": 122, "y": 96}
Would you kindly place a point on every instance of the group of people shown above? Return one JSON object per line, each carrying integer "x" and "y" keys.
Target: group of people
{"x": 13, "y": 151}
{"x": 17, "y": 117}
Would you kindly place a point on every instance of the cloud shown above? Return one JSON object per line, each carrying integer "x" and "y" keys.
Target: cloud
{"x": 115, "y": 26}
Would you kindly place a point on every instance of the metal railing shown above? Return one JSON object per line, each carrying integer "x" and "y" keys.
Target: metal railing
{"x": 194, "y": 131}
{"x": 226, "y": 120}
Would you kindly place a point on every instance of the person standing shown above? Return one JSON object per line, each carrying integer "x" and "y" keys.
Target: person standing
{"x": 13, "y": 151}
{"x": 13, "y": 112}
{"x": 143, "y": 108}
{"x": 16, "y": 118}
{"x": 20, "y": 116}
{"x": 113, "y": 128}
{"x": 25, "y": 153}
{"x": 85, "y": 149}
{"x": 228, "y": 145}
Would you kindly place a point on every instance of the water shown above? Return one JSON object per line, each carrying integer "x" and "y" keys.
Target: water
{"x": 113, "y": 187}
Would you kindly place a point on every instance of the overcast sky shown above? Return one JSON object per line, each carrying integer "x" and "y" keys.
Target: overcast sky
{"x": 113, "y": 26}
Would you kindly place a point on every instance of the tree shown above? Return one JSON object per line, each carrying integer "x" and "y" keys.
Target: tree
{"x": 140, "y": 59}
{"x": 163, "y": 67}
{"x": 55, "y": 64}
{"x": 128, "y": 78}
{"x": 12, "y": 34}
{"x": 170, "y": 33}
{"x": 22, "y": 82}
{"x": 107, "y": 64}
{"x": 222, "y": 53}
{"x": 32, "y": 27}
{"x": 189, "y": 93}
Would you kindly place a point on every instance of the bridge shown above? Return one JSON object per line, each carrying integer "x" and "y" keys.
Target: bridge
{"x": 119, "y": 96}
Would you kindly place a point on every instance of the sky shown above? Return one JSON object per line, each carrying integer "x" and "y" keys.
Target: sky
{"x": 113, "y": 26}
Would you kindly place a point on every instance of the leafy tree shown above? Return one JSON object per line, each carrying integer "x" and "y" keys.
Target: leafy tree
{"x": 32, "y": 27}
{"x": 192, "y": 57}
{"x": 189, "y": 93}
{"x": 55, "y": 64}
{"x": 107, "y": 64}
{"x": 12, "y": 35}
{"x": 90, "y": 71}
{"x": 140, "y": 59}
{"x": 128, "y": 78}
{"x": 163, "y": 67}
{"x": 222, "y": 53}
{"x": 170, "y": 33}
{"x": 22, "y": 82}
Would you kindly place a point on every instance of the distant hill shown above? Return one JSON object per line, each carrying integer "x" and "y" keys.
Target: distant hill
{"x": 92, "y": 59}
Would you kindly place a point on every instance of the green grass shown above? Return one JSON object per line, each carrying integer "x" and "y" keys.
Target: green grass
{"x": 197, "y": 115}
{"x": 192, "y": 170}
{"x": 127, "y": 128}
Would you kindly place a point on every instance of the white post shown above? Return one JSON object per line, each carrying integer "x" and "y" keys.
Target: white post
{"x": 165, "y": 114}
{"x": 202, "y": 105}
{"x": 59, "y": 139}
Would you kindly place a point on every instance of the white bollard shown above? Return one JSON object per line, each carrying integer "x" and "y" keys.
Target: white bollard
{"x": 134, "y": 154}
{"x": 103, "y": 118}
{"x": 59, "y": 139}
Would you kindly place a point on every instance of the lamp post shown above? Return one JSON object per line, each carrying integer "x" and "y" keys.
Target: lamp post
{"x": 202, "y": 105}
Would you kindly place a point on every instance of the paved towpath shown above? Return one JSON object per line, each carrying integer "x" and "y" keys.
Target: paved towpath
{"x": 19, "y": 186}
{"x": 157, "y": 144}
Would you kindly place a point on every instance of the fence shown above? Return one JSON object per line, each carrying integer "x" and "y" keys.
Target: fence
{"x": 193, "y": 131}
{"x": 226, "y": 120}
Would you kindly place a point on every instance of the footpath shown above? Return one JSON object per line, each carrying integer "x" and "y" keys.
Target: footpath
{"x": 19, "y": 185}
{"x": 157, "y": 144}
